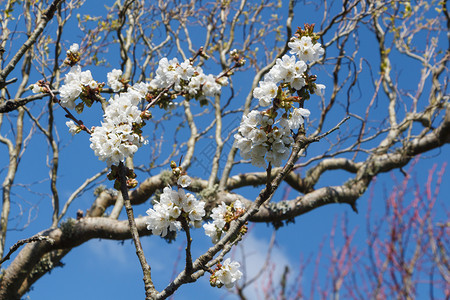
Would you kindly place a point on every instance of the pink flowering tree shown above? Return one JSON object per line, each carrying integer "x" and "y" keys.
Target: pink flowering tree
{"x": 403, "y": 253}
{"x": 173, "y": 87}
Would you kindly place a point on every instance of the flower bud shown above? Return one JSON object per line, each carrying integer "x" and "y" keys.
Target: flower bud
{"x": 132, "y": 183}
{"x": 173, "y": 164}
{"x": 241, "y": 62}
{"x": 130, "y": 173}
{"x": 176, "y": 171}
{"x": 146, "y": 115}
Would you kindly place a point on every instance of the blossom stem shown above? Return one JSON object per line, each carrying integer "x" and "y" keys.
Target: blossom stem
{"x": 150, "y": 290}
{"x": 199, "y": 52}
{"x": 269, "y": 177}
{"x": 185, "y": 225}
{"x": 153, "y": 102}
{"x": 226, "y": 72}
{"x": 68, "y": 113}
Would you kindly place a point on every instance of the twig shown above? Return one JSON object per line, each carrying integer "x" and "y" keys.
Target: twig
{"x": 36, "y": 238}
{"x": 153, "y": 102}
{"x": 69, "y": 114}
{"x": 185, "y": 225}
{"x": 149, "y": 287}
{"x": 79, "y": 190}
{"x": 10, "y": 105}
{"x": 332, "y": 129}
{"x": 12, "y": 80}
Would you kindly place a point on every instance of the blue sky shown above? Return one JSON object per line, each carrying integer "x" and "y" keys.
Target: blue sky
{"x": 101, "y": 269}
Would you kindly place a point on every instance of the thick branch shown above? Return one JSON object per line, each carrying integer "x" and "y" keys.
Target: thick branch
{"x": 71, "y": 234}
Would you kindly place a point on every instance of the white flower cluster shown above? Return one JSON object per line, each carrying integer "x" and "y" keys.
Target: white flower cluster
{"x": 114, "y": 80}
{"x": 305, "y": 49}
{"x": 263, "y": 139}
{"x": 117, "y": 139}
{"x": 259, "y": 146}
{"x": 36, "y": 88}
{"x": 287, "y": 70}
{"x": 165, "y": 214}
{"x": 227, "y": 274}
{"x": 73, "y": 128}
{"x": 185, "y": 78}
{"x": 74, "y": 83}
{"x": 74, "y": 48}
{"x": 215, "y": 229}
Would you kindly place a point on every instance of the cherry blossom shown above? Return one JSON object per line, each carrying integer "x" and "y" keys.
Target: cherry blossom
{"x": 227, "y": 274}
{"x": 165, "y": 214}
{"x": 221, "y": 215}
{"x": 114, "y": 78}
{"x": 184, "y": 181}
{"x": 74, "y": 83}
{"x": 263, "y": 138}
{"x": 305, "y": 49}
{"x": 73, "y": 128}
{"x": 319, "y": 89}
{"x": 117, "y": 139}
{"x": 74, "y": 48}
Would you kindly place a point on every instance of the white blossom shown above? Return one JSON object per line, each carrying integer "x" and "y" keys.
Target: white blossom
{"x": 140, "y": 89}
{"x": 73, "y": 48}
{"x": 298, "y": 82}
{"x": 212, "y": 231}
{"x": 297, "y": 117}
{"x": 69, "y": 93}
{"x": 278, "y": 153}
{"x": 166, "y": 74}
{"x": 116, "y": 139}
{"x": 287, "y": 70}
{"x": 260, "y": 144}
{"x": 319, "y": 89}
{"x": 160, "y": 222}
{"x": 215, "y": 228}
{"x": 73, "y": 128}
{"x": 93, "y": 84}
{"x": 113, "y": 78}
{"x": 196, "y": 83}
{"x": 35, "y": 88}
{"x": 72, "y": 88}
{"x": 164, "y": 214}
{"x": 300, "y": 67}
{"x": 185, "y": 70}
{"x": 218, "y": 214}
{"x": 210, "y": 86}
{"x": 243, "y": 144}
{"x": 238, "y": 205}
{"x": 184, "y": 77}
{"x": 74, "y": 82}
{"x": 257, "y": 136}
{"x": 228, "y": 273}
{"x": 197, "y": 211}
{"x": 265, "y": 92}
{"x": 305, "y": 49}
{"x": 184, "y": 181}
{"x": 85, "y": 77}
{"x": 223, "y": 81}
